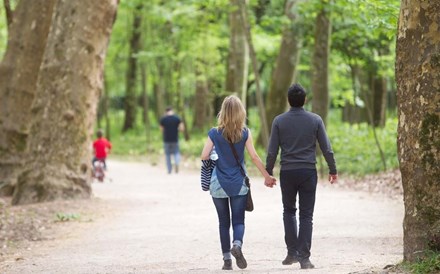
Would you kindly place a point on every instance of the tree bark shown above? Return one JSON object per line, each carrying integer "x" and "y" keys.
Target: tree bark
{"x": 320, "y": 89}
{"x": 18, "y": 79}
{"x": 130, "y": 102}
{"x": 64, "y": 111}
{"x": 418, "y": 85}
{"x": 201, "y": 102}
{"x": 238, "y": 58}
{"x": 285, "y": 69}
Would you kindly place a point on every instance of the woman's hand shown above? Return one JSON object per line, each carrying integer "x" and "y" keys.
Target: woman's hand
{"x": 270, "y": 181}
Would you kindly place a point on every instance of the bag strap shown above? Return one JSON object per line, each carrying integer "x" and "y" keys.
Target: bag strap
{"x": 236, "y": 159}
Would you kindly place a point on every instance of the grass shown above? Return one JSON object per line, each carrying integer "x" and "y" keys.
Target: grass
{"x": 428, "y": 265}
{"x": 355, "y": 149}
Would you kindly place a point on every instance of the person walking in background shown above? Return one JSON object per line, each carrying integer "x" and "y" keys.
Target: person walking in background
{"x": 229, "y": 189}
{"x": 296, "y": 132}
{"x": 170, "y": 125}
{"x": 102, "y": 147}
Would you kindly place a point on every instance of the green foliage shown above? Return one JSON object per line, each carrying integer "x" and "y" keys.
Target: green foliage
{"x": 66, "y": 217}
{"x": 427, "y": 265}
{"x": 355, "y": 148}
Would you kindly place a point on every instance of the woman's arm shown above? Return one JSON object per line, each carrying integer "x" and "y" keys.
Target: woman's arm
{"x": 268, "y": 180}
{"x": 207, "y": 149}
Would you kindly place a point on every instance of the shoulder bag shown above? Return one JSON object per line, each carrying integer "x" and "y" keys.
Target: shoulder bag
{"x": 249, "y": 203}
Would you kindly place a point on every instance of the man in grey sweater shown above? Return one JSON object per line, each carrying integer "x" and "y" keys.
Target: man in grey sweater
{"x": 296, "y": 132}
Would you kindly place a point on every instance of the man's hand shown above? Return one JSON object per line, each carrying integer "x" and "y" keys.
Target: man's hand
{"x": 270, "y": 181}
{"x": 333, "y": 178}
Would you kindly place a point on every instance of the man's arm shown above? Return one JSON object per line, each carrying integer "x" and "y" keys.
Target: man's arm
{"x": 326, "y": 148}
{"x": 272, "y": 150}
{"x": 181, "y": 126}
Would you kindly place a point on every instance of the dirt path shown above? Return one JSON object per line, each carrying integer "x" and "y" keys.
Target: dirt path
{"x": 161, "y": 223}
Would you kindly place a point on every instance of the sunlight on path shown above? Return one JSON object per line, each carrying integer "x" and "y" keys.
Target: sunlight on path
{"x": 166, "y": 224}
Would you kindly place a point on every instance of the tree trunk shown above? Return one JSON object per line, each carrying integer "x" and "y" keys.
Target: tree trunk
{"x": 285, "y": 69}
{"x": 356, "y": 112}
{"x": 379, "y": 100}
{"x": 159, "y": 88}
{"x": 259, "y": 93}
{"x": 64, "y": 111}
{"x": 145, "y": 104}
{"x": 238, "y": 58}
{"x": 9, "y": 13}
{"x": 201, "y": 102}
{"x": 130, "y": 103}
{"x": 18, "y": 79}
{"x": 418, "y": 84}
{"x": 379, "y": 88}
{"x": 320, "y": 102}
{"x": 106, "y": 109}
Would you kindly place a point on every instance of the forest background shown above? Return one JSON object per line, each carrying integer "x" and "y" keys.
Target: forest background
{"x": 177, "y": 53}
{"x": 349, "y": 55}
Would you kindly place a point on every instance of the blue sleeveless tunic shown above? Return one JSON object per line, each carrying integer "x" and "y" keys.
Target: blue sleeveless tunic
{"x": 226, "y": 170}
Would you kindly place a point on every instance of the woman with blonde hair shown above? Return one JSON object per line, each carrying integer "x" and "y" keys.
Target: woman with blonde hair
{"x": 227, "y": 188}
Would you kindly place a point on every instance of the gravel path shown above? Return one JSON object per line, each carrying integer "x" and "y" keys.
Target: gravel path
{"x": 160, "y": 223}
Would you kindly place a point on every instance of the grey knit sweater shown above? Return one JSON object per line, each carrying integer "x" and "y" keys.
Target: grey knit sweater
{"x": 296, "y": 133}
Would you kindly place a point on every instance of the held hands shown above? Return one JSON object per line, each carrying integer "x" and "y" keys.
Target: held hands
{"x": 270, "y": 181}
{"x": 333, "y": 178}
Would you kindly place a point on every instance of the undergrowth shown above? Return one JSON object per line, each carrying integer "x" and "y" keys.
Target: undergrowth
{"x": 354, "y": 146}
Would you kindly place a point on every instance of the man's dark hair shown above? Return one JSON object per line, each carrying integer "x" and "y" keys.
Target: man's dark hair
{"x": 99, "y": 133}
{"x": 296, "y": 95}
{"x": 168, "y": 108}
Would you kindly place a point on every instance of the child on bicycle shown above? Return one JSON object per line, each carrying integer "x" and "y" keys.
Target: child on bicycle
{"x": 102, "y": 147}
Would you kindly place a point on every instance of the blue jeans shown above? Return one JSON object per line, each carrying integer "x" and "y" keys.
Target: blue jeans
{"x": 238, "y": 205}
{"x": 301, "y": 182}
{"x": 172, "y": 149}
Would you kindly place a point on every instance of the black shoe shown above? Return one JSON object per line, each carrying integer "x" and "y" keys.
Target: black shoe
{"x": 306, "y": 264}
{"x": 290, "y": 259}
{"x": 240, "y": 260}
{"x": 227, "y": 265}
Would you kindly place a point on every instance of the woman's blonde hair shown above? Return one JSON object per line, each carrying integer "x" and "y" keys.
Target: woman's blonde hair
{"x": 231, "y": 119}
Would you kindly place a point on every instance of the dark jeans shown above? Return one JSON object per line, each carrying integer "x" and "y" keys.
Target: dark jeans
{"x": 238, "y": 205}
{"x": 301, "y": 182}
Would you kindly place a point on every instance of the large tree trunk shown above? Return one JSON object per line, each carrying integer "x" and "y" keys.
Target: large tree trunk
{"x": 238, "y": 57}
{"x": 130, "y": 102}
{"x": 64, "y": 111}
{"x": 418, "y": 84}
{"x": 285, "y": 68}
{"x": 18, "y": 78}
{"x": 320, "y": 61}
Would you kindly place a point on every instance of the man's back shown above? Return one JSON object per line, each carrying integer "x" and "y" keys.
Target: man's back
{"x": 296, "y": 132}
{"x": 170, "y": 124}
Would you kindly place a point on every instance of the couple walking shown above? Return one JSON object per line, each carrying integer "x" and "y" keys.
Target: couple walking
{"x": 296, "y": 133}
